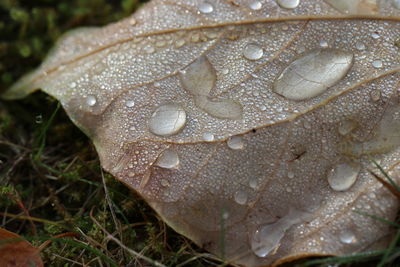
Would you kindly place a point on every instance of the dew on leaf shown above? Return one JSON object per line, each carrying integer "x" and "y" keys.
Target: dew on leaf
{"x": 347, "y": 237}
{"x": 343, "y": 176}
{"x": 377, "y": 63}
{"x": 167, "y": 120}
{"x": 313, "y": 73}
{"x": 289, "y": 4}
{"x": 255, "y": 5}
{"x": 91, "y": 100}
{"x": 168, "y": 159}
{"x": 253, "y": 52}
{"x": 206, "y": 8}
{"x": 241, "y": 197}
{"x": 235, "y": 143}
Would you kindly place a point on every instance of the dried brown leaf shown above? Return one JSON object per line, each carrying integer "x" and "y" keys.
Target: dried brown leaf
{"x": 14, "y": 251}
{"x": 250, "y": 115}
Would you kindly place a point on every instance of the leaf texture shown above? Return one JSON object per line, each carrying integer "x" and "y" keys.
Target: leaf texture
{"x": 14, "y": 251}
{"x": 249, "y": 126}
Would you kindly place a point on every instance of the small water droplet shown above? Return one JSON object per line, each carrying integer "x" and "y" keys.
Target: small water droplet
{"x": 255, "y": 5}
{"x": 375, "y": 95}
{"x": 346, "y": 126}
{"x": 235, "y": 142}
{"x": 290, "y": 174}
{"x": 360, "y": 46}
{"x": 206, "y": 8}
{"x": 225, "y": 71}
{"x": 253, "y": 52}
{"x": 375, "y": 35}
{"x": 377, "y": 64}
{"x": 168, "y": 159}
{"x": 39, "y": 119}
{"x": 313, "y": 73}
{"x": 323, "y": 44}
{"x": 253, "y": 183}
{"x": 347, "y": 237}
{"x": 167, "y": 120}
{"x": 225, "y": 215}
{"x": 343, "y": 176}
{"x": 289, "y": 4}
{"x": 91, "y": 100}
{"x": 208, "y": 137}
{"x": 241, "y": 197}
{"x": 132, "y": 21}
{"x": 130, "y": 104}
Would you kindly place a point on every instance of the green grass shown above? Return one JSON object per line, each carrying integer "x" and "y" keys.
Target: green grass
{"x": 51, "y": 182}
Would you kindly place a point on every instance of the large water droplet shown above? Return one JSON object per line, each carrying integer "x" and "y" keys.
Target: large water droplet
{"x": 241, "y": 197}
{"x": 253, "y": 52}
{"x": 206, "y": 8}
{"x": 255, "y": 5}
{"x": 347, "y": 237}
{"x": 168, "y": 159}
{"x": 167, "y": 120}
{"x": 313, "y": 73}
{"x": 91, "y": 100}
{"x": 289, "y": 4}
{"x": 343, "y": 176}
{"x": 235, "y": 142}
{"x": 224, "y": 109}
{"x": 268, "y": 237}
{"x": 199, "y": 77}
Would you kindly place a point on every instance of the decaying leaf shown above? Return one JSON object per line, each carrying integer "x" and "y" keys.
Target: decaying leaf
{"x": 17, "y": 252}
{"x": 257, "y": 116}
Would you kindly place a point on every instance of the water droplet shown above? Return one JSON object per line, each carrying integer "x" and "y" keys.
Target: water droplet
{"x": 323, "y": 44}
{"x": 168, "y": 159}
{"x": 224, "y": 109}
{"x": 253, "y": 52}
{"x": 91, "y": 100}
{"x": 225, "y": 71}
{"x": 360, "y": 46}
{"x": 290, "y": 174}
{"x": 313, "y": 73}
{"x": 343, "y": 176}
{"x": 241, "y": 197}
{"x": 255, "y": 5}
{"x": 167, "y": 120}
{"x": 375, "y": 95}
{"x": 377, "y": 64}
{"x": 289, "y": 4}
{"x": 225, "y": 215}
{"x": 208, "y": 137}
{"x": 375, "y": 35}
{"x": 235, "y": 143}
{"x": 268, "y": 237}
{"x": 130, "y": 104}
{"x": 253, "y": 183}
{"x": 347, "y": 126}
{"x": 39, "y": 119}
{"x": 206, "y": 8}
{"x": 347, "y": 237}
{"x": 199, "y": 77}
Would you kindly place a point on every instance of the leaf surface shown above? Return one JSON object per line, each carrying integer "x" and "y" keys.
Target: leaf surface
{"x": 249, "y": 126}
{"x": 14, "y": 251}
